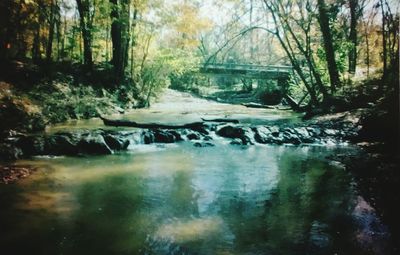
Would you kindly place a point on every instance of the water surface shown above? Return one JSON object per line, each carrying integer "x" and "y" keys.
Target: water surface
{"x": 175, "y": 107}
{"x": 179, "y": 199}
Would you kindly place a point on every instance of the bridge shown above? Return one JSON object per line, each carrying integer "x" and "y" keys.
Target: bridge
{"x": 273, "y": 72}
{"x": 279, "y": 73}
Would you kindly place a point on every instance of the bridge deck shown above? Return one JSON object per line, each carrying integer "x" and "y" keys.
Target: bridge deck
{"x": 253, "y": 71}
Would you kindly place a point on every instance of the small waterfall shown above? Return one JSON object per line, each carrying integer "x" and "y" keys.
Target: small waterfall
{"x": 135, "y": 138}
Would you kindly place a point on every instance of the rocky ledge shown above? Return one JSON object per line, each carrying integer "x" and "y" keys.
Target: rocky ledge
{"x": 102, "y": 142}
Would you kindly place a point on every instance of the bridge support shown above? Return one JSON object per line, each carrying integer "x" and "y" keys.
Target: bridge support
{"x": 283, "y": 82}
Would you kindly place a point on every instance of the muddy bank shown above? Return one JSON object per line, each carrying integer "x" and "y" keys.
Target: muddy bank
{"x": 33, "y": 96}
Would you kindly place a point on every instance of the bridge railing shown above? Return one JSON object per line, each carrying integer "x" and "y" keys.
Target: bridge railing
{"x": 250, "y": 67}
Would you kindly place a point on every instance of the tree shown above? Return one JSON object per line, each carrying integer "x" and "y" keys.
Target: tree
{"x": 297, "y": 45}
{"x": 86, "y": 9}
{"x": 16, "y": 21}
{"x": 120, "y": 12}
{"x": 384, "y": 53}
{"x": 356, "y": 9}
{"x": 353, "y": 4}
{"x": 323, "y": 19}
{"x": 54, "y": 12}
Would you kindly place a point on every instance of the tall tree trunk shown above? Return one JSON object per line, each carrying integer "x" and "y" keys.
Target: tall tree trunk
{"x": 133, "y": 39}
{"x": 353, "y": 36}
{"x": 107, "y": 42}
{"x": 384, "y": 38}
{"x": 20, "y": 33}
{"x": 394, "y": 34}
{"x": 120, "y": 37}
{"x": 252, "y": 51}
{"x": 323, "y": 19}
{"x": 80, "y": 48}
{"x": 74, "y": 40}
{"x": 5, "y": 11}
{"x": 36, "y": 42}
{"x": 49, "y": 48}
{"x": 367, "y": 53}
{"x": 58, "y": 34}
{"x": 64, "y": 37}
{"x": 86, "y": 30}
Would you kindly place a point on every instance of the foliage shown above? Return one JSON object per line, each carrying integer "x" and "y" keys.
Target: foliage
{"x": 160, "y": 43}
{"x": 83, "y": 101}
{"x": 270, "y": 94}
{"x": 183, "y": 67}
{"x": 18, "y": 111}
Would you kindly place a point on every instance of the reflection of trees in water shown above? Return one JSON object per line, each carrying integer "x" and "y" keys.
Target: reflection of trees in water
{"x": 242, "y": 200}
{"x": 303, "y": 212}
{"x": 118, "y": 213}
{"x": 25, "y": 228}
{"x": 109, "y": 218}
{"x": 302, "y": 208}
{"x": 310, "y": 207}
{"x": 182, "y": 200}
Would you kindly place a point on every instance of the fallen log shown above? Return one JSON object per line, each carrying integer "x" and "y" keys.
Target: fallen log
{"x": 257, "y": 105}
{"x": 221, "y": 120}
{"x": 127, "y": 123}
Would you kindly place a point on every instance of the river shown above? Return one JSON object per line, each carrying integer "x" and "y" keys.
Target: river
{"x": 182, "y": 199}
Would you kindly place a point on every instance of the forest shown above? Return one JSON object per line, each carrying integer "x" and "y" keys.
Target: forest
{"x": 147, "y": 45}
{"x": 199, "y": 127}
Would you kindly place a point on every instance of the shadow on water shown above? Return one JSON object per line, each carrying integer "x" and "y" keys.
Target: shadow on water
{"x": 187, "y": 200}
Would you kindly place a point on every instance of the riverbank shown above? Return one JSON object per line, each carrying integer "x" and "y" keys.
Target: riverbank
{"x": 375, "y": 168}
{"x": 262, "y": 126}
{"x": 35, "y": 96}
{"x": 254, "y": 126}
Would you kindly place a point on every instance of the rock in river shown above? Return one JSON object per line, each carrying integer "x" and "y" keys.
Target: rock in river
{"x": 231, "y": 132}
{"x": 166, "y": 136}
{"x": 94, "y": 144}
{"x": 116, "y": 143}
{"x": 244, "y": 134}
